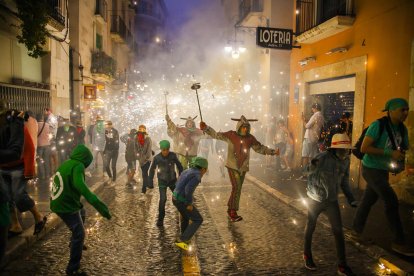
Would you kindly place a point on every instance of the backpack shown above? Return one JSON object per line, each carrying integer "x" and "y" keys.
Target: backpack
{"x": 382, "y": 123}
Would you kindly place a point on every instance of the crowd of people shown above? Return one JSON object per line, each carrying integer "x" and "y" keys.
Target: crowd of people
{"x": 60, "y": 151}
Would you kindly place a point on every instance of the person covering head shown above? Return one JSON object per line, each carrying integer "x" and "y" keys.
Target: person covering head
{"x": 316, "y": 106}
{"x": 395, "y": 103}
{"x": 199, "y": 162}
{"x": 341, "y": 141}
{"x": 189, "y": 123}
{"x": 243, "y": 123}
{"x": 164, "y": 144}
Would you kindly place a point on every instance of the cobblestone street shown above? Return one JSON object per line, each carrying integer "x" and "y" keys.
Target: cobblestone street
{"x": 268, "y": 241}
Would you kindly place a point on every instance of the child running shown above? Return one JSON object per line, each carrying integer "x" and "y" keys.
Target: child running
{"x": 166, "y": 174}
{"x": 183, "y": 200}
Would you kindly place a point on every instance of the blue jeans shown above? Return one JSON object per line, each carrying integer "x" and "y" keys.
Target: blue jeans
{"x": 163, "y": 197}
{"x": 145, "y": 177}
{"x": 74, "y": 222}
{"x": 331, "y": 209}
{"x": 15, "y": 185}
{"x": 378, "y": 187}
{"x": 188, "y": 230}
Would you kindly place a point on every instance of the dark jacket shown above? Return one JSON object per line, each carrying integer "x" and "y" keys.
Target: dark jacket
{"x": 11, "y": 144}
{"x": 129, "y": 141}
{"x": 186, "y": 185}
{"x": 111, "y": 139}
{"x": 80, "y": 136}
{"x": 65, "y": 140}
{"x": 166, "y": 171}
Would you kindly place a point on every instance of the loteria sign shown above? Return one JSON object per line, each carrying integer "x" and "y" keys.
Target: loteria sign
{"x": 274, "y": 38}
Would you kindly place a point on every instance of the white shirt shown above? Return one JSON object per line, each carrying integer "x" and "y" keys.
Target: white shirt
{"x": 314, "y": 126}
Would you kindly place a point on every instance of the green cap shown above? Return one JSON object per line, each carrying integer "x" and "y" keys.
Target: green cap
{"x": 164, "y": 144}
{"x": 199, "y": 162}
{"x": 395, "y": 103}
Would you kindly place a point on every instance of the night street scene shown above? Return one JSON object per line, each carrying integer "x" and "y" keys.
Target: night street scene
{"x": 206, "y": 137}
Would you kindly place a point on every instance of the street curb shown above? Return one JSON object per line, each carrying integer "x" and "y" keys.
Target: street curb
{"x": 393, "y": 263}
{"x": 18, "y": 244}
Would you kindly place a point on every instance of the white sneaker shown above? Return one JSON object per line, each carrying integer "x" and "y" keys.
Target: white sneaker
{"x": 88, "y": 174}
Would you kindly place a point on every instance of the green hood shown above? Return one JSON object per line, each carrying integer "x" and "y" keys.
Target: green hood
{"x": 82, "y": 154}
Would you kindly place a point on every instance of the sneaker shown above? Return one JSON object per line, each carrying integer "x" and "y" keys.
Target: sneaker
{"x": 39, "y": 226}
{"x": 233, "y": 216}
{"x": 309, "y": 264}
{"x": 88, "y": 174}
{"x": 345, "y": 270}
{"x": 402, "y": 249}
{"x": 182, "y": 245}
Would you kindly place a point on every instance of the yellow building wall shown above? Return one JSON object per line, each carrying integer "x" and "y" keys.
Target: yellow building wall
{"x": 383, "y": 31}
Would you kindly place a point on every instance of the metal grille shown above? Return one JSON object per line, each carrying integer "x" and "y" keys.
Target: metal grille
{"x": 25, "y": 98}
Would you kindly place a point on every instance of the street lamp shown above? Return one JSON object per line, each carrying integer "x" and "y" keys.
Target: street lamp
{"x": 235, "y": 47}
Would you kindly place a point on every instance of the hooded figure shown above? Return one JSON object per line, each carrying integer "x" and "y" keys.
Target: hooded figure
{"x": 67, "y": 188}
{"x": 185, "y": 139}
{"x": 238, "y": 154}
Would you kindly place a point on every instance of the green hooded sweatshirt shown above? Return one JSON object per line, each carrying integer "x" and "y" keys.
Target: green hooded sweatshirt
{"x": 69, "y": 184}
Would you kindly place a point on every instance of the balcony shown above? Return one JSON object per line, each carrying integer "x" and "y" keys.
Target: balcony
{"x": 250, "y": 13}
{"x": 100, "y": 10}
{"x": 119, "y": 31}
{"x": 56, "y": 9}
{"x": 318, "y": 19}
{"x": 103, "y": 67}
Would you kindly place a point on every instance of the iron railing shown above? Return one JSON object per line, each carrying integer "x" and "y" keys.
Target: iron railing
{"x": 24, "y": 98}
{"x": 248, "y": 6}
{"x": 56, "y": 10}
{"x": 103, "y": 64}
{"x": 311, "y": 13}
{"x": 101, "y": 8}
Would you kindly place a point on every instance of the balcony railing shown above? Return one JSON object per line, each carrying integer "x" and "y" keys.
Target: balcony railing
{"x": 103, "y": 64}
{"x": 101, "y": 8}
{"x": 311, "y": 13}
{"x": 248, "y": 6}
{"x": 119, "y": 28}
{"x": 56, "y": 10}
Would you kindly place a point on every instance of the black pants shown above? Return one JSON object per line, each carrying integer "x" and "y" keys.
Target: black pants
{"x": 379, "y": 187}
{"x": 145, "y": 177}
{"x": 331, "y": 209}
{"x": 110, "y": 159}
{"x": 163, "y": 187}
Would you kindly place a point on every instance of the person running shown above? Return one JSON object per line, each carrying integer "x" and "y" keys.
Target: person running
{"x": 111, "y": 150}
{"x": 183, "y": 200}
{"x": 327, "y": 172}
{"x": 165, "y": 161}
{"x": 129, "y": 140}
{"x": 238, "y": 155}
{"x": 384, "y": 152}
{"x": 67, "y": 188}
{"x": 143, "y": 147}
{"x": 11, "y": 147}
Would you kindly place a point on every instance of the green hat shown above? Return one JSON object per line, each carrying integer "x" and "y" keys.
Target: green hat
{"x": 199, "y": 162}
{"x": 395, "y": 103}
{"x": 164, "y": 144}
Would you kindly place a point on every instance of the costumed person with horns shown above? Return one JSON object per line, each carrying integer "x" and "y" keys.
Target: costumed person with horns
{"x": 238, "y": 156}
{"x": 185, "y": 139}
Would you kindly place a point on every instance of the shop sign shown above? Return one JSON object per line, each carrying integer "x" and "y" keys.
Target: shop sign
{"x": 274, "y": 38}
{"x": 89, "y": 92}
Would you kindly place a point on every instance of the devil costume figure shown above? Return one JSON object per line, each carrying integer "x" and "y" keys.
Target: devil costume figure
{"x": 185, "y": 139}
{"x": 238, "y": 155}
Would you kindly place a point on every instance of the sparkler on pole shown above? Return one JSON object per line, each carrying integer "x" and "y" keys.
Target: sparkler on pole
{"x": 166, "y": 102}
{"x": 196, "y": 86}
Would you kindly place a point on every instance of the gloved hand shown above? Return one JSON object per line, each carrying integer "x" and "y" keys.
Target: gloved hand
{"x": 354, "y": 204}
{"x": 203, "y": 125}
{"x": 276, "y": 151}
